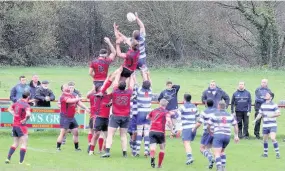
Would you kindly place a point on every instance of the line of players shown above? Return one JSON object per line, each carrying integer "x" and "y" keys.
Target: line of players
{"x": 150, "y": 124}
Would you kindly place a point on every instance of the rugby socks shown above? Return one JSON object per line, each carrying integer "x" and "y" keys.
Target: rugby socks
{"x": 138, "y": 143}
{"x": 223, "y": 159}
{"x": 107, "y": 150}
{"x": 160, "y": 158}
{"x": 124, "y": 153}
{"x": 106, "y": 86}
{"x": 76, "y": 145}
{"x": 22, "y": 154}
{"x": 146, "y": 144}
{"x": 11, "y": 152}
{"x": 89, "y": 138}
{"x": 265, "y": 147}
{"x": 58, "y": 145}
{"x": 207, "y": 154}
{"x": 189, "y": 155}
{"x": 101, "y": 142}
{"x": 92, "y": 147}
{"x": 276, "y": 148}
{"x": 131, "y": 144}
{"x": 134, "y": 147}
{"x": 218, "y": 162}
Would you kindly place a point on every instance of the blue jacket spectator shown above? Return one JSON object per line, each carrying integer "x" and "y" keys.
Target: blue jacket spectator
{"x": 216, "y": 94}
{"x": 170, "y": 94}
{"x": 17, "y": 91}
{"x": 34, "y": 84}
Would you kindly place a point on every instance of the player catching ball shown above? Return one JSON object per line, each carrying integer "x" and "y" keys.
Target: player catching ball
{"x": 21, "y": 112}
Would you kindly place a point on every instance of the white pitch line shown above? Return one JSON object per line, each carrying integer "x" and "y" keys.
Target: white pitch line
{"x": 41, "y": 150}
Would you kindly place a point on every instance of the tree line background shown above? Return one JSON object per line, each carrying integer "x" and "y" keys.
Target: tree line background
{"x": 179, "y": 34}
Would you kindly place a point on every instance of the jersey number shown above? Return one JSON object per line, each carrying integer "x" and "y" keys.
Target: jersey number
{"x": 122, "y": 100}
{"x": 101, "y": 69}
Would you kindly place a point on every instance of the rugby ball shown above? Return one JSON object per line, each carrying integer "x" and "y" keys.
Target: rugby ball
{"x": 131, "y": 17}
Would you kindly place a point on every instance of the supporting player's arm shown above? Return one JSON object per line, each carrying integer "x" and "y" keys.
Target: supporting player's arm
{"x": 82, "y": 105}
{"x": 90, "y": 92}
{"x": 140, "y": 23}
{"x": 112, "y": 48}
{"x": 132, "y": 82}
{"x": 91, "y": 72}
{"x": 118, "y": 49}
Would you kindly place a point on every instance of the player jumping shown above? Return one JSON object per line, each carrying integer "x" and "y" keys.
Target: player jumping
{"x": 222, "y": 122}
{"x": 207, "y": 138}
{"x": 99, "y": 67}
{"x": 269, "y": 112}
{"x": 158, "y": 118}
{"x": 21, "y": 112}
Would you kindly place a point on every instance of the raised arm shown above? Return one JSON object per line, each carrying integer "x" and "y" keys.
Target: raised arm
{"x": 118, "y": 49}
{"x": 140, "y": 23}
{"x": 118, "y": 35}
{"x": 113, "y": 50}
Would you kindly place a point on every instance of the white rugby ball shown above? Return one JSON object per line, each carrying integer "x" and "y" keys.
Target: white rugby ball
{"x": 131, "y": 17}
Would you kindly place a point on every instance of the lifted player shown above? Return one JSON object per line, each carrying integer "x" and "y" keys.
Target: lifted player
{"x": 21, "y": 112}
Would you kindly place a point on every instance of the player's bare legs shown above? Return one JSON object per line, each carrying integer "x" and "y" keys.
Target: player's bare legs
{"x": 75, "y": 139}
{"x": 89, "y": 137}
{"x": 217, "y": 153}
{"x": 60, "y": 138}
{"x": 152, "y": 148}
{"x": 108, "y": 82}
{"x": 275, "y": 144}
{"x": 124, "y": 140}
{"x": 206, "y": 151}
{"x": 188, "y": 150}
{"x": 12, "y": 149}
{"x": 109, "y": 141}
{"x": 139, "y": 139}
{"x": 93, "y": 142}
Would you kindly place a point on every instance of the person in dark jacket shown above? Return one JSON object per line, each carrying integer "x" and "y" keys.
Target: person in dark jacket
{"x": 260, "y": 93}
{"x": 17, "y": 90}
{"x": 44, "y": 95}
{"x": 170, "y": 94}
{"x": 34, "y": 85}
{"x": 241, "y": 108}
{"x": 216, "y": 94}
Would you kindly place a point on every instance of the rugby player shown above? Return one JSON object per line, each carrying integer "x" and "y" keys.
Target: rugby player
{"x": 269, "y": 112}
{"x": 68, "y": 104}
{"x": 138, "y": 35}
{"x": 189, "y": 114}
{"x": 207, "y": 138}
{"x": 121, "y": 101}
{"x": 222, "y": 122}
{"x": 21, "y": 112}
{"x": 102, "y": 111}
{"x": 99, "y": 67}
{"x": 132, "y": 130}
{"x": 144, "y": 97}
{"x": 158, "y": 118}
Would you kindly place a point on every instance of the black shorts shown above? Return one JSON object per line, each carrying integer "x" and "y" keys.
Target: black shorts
{"x": 19, "y": 131}
{"x": 119, "y": 121}
{"x": 91, "y": 123}
{"x": 68, "y": 123}
{"x": 98, "y": 83}
{"x": 156, "y": 137}
{"x": 101, "y": 124}
{"x": 126, "y": 72}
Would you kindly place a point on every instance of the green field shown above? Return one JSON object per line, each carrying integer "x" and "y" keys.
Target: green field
{"x": 244, "y": 156}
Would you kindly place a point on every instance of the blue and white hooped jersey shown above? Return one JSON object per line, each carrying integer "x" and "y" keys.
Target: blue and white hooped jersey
{"x": 205, "y": 116}
{"x": 189, "y": 114}
{"x": 144, "y": 98}
{"x": 222, "y": 122}
{"x": 266, "y": 110}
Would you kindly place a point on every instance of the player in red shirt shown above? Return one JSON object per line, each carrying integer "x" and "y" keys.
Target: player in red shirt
{"x": 98, "y": 69}
{"x": 68, "y": 104}
{"x": 102, "y": 112}
{"x": 121, "y": 106}
{"x": 158, "y": 117}
{"x": 21, "y": 112}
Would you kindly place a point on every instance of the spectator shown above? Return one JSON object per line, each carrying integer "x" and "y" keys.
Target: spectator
{"x": 44, "y": 95}
{"x": 34, "y": 85}
{"x": 260, "y": 93}
{"x": 72, "y": 89}
{"x": 170, "y": 94}
{"x": 216, "y": 94}
{"x": 18, "y": 90}
{"x": 241, "y": 108}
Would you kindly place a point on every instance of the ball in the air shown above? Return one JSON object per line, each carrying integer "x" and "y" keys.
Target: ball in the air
{"x": 131, "y": 17}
